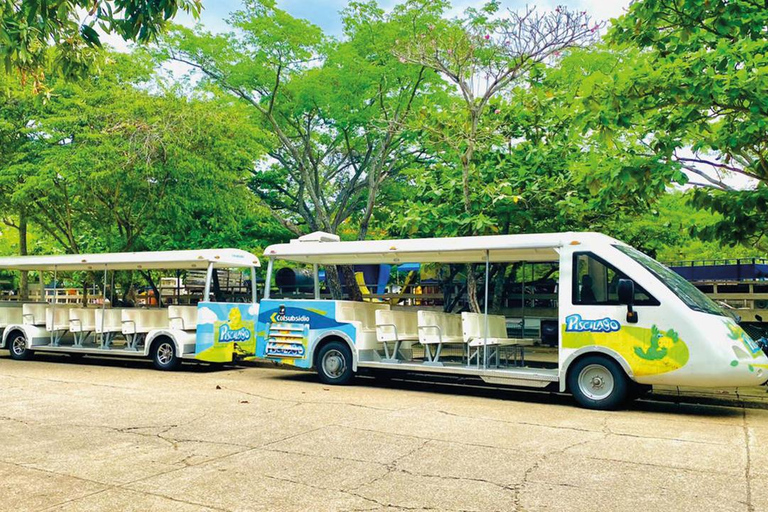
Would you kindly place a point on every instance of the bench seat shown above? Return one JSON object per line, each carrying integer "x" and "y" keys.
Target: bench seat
{"x": 474, "y": 331}
{"x": 141, "y": 321}
{"x": 34, "y": 314}
{"x": 397, "y": 327}
{"x": 440, "y": 329}
{"x": 57, "y": 318}
{"x": 11, "y": 314}
{"x": 82, "y": 319}
{"x": 182, "y": 317}
{"x": 363, "y": 316}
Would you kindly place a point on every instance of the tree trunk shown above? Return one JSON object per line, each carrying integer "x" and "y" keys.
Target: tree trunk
{"x": 148, "y": 276}
{"x": 333, "y": 282}
{"x": 474, "y": 305}
{"x": 499, "y": 279}
{"x": 353, "y": 290}
{"x": 24, "y": 284}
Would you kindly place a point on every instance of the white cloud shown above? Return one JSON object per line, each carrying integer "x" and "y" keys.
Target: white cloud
{"x": 253, "y": 310}
{"x": 206, "y": 316}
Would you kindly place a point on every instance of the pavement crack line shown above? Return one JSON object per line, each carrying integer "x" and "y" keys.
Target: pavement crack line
{"x": 319, "y": 488}
{"x": 15, "y": 420}
{"x": 219, "y": 458}
{"x": 391, "y": 467}
{"x": 659, "y": 466}
{"x": 79, "y": 383}
{"x": 518, "y": 488}
{"x": 604, "y": 429}
{"x": 106, "y": 487}
{"x": 748, "y": 466}
{"x": 315, "y": 402}
{"x": 72, "y": 500}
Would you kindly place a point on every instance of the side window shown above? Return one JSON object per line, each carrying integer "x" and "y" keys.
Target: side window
{"x": 596, "y": 283}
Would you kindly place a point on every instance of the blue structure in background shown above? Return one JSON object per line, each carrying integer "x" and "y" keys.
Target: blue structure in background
{"x": 747, "y": 269}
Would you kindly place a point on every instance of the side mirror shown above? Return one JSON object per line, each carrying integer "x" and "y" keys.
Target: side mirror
{"x": 626, "y": 293}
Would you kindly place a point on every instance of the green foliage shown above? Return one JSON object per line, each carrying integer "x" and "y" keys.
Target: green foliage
{"x": 337, "y": 110}
{"x": 412, "y": 123}
{"x": 699, "y": 92}
{"x": 106, "y": 166}
{"x": 546, "y": 167}
{"x": 483, "y": 54}
{"x": 29, "y": 28}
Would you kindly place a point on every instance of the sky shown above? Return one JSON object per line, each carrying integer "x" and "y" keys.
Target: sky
{"x": 325, "y": 13}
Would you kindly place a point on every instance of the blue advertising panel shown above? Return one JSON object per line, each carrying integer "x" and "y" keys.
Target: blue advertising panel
{"x": 288, "y": 329}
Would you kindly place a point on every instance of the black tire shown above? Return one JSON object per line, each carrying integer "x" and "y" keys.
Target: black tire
{"x": 164, "y": 354}
{"x": 334, "y": 363}
{"x": 598, "y": 382}
{"x": 17, "y": 346}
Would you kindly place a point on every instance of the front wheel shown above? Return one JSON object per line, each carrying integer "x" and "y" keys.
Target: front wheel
{"x": 334, "y": 363}
{"x": 164, "y": 355}
{"x": 598, "y": 382}
{"x": 17, "y": 345}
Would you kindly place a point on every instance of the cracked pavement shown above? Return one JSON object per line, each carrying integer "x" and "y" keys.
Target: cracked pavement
{"x": 117, "y": 435}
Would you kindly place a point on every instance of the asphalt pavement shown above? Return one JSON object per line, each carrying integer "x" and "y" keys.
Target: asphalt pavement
{"x": 117, "y": 435}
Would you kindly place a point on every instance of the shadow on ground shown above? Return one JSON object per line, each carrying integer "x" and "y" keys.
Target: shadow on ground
{"x": 707, "y": 404}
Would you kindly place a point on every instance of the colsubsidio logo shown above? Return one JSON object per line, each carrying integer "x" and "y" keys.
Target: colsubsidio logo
{"x": 574, "y": 323}
{"x": 226, "y": 334}
{"x": 280, "y": 316}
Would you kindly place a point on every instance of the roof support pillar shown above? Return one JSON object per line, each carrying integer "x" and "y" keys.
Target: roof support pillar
{"x": 268, "y": 278}
{"x": 208, "y": 279}
{"x": 316, "y": 277}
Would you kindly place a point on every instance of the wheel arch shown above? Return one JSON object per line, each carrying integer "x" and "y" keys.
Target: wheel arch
{"x": 8, "y": 331}
{"x": 156, "y": 336}
{"x": 329, "y": 337}
{"x": 591, "y": 351}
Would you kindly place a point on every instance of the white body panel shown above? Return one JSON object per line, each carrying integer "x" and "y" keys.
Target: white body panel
{"x": 674, "y": 341}
{"x": 691, "y": 348}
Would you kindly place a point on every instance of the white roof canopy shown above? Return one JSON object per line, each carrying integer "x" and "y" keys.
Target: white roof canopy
{"x": 500, "y": 248}
{"x": 194, "y": 259}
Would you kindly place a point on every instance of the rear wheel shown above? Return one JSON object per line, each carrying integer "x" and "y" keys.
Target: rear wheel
{"x": 17, "y": 345}
{"x": 334, "y": 363}
{"x": 164, "y": 355}
{"x": 598, "y": 382}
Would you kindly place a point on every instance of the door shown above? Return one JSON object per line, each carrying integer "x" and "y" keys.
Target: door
{"x": 593, "y": 320}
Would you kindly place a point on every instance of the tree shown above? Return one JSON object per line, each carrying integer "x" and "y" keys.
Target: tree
{"x": 15, "y": 113}
{"x": 337, "y": 110}
{"x": 28, "y": 28}
{"x": 699, "y": 91}
{"x": 663, "y": 231}
{"x": 483, "y": 55}
{"x": 106, "y": 166}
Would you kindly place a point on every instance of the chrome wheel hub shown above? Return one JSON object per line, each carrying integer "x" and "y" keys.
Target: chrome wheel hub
{"x": 19, "y": 345}
{"x": 165, "y": 353}
{"x": 596, "y": 382}
{"x": 334, "y": 364}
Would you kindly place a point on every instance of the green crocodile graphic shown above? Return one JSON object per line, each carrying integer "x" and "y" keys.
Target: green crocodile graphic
{"x": 655, "y": 351}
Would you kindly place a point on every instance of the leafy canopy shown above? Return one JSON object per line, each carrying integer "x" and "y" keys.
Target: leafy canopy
{"x": 28, "y": 28}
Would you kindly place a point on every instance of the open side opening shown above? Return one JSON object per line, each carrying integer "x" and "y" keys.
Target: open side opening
{"x": 500, "y": 313}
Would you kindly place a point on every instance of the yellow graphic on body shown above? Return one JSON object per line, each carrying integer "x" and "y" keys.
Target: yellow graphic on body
{"x": 647, "y": 351}
{"x": 736, "y": 333}
{"x": 234, "y": 336}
